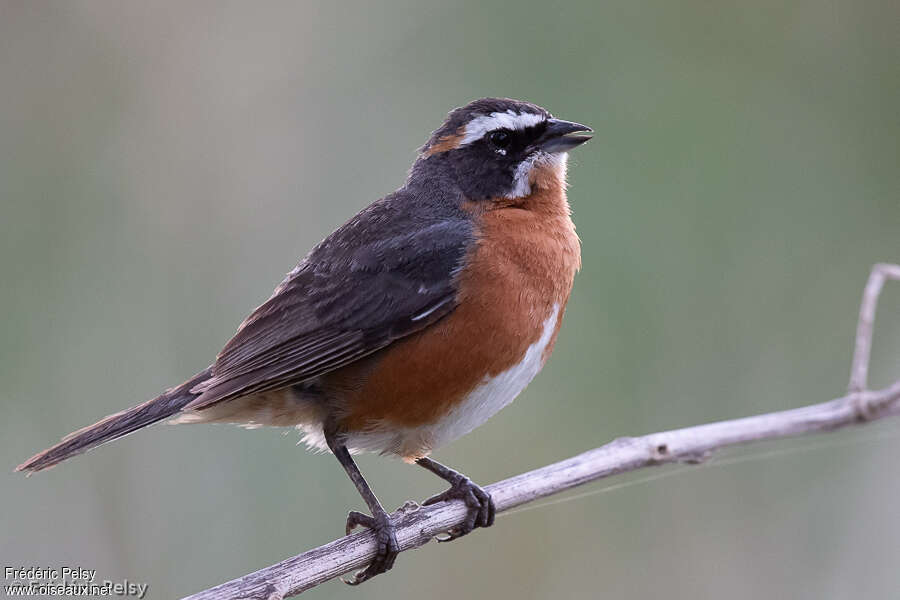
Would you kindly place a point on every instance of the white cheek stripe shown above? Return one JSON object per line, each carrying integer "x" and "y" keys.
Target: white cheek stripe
{"x": 521, "y": 186}
{"x": 477, "y": 127}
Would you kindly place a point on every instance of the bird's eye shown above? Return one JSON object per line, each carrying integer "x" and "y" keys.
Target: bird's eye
{"x": 500, "y": 139}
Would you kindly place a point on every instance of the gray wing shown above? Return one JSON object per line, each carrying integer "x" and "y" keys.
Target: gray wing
{"x": 378, "y": 278}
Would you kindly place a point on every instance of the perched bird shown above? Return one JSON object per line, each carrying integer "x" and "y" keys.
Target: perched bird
{"x": 411, "y": 324}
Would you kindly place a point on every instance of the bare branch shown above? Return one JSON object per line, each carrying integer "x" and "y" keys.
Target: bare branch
{"x": 418, "y": 525}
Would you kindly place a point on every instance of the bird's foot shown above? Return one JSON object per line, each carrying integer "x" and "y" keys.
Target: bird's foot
{"x": 387, "y": 547}
{"x": 481, "y": 506}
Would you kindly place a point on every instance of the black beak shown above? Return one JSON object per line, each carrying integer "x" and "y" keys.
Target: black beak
{"x": 556, "y": 137}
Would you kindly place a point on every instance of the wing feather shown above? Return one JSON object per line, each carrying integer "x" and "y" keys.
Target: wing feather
{"x": 378, "y": 278}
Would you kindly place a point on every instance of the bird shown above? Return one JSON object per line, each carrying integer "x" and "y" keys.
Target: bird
{"x": 411, "y": 324}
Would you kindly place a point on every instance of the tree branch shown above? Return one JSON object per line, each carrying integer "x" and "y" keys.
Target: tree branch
{"x": 417, "y": 525}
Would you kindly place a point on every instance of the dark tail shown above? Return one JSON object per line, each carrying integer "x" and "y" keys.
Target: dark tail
{"x": 115, "y": 426}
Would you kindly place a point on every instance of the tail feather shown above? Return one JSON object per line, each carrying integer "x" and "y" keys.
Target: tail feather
{"x": 116, "y": 426}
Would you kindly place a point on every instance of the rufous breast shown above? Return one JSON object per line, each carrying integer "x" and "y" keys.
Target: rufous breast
{"x": 437, "y": 385}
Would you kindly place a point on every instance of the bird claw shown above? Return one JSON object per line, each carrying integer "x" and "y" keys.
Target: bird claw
{"x": 481, "y": 507}
{"x": 387, "y": 547}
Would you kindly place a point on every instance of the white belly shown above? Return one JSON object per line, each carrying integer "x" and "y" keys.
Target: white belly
{"x": 494, "y": 393}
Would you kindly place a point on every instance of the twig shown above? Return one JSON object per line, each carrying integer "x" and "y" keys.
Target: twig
{"x": 418, "y": 525}
{"x": 859, "y": 370}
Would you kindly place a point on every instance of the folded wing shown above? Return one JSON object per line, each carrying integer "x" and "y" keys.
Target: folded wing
{"x": 351, "y": 296}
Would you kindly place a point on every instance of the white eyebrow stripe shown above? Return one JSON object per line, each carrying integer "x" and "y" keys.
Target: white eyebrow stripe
{"x": 477, "y": 127}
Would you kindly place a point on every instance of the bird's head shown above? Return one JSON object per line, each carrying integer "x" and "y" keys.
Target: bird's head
{"x": 498, "y": 147}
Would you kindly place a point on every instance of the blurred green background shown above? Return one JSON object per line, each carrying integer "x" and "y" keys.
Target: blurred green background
{"x": 162, "y": 165}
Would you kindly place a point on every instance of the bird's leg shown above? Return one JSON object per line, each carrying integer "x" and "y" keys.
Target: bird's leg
{"x": 379, "y": 522}
{"x": 481, "y": 505}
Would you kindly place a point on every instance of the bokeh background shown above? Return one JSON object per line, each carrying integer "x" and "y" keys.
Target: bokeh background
{"x": 162, "y": 165}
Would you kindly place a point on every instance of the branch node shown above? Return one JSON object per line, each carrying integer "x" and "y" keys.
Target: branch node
{"x": 863, "y": 406}
{"x": 410, "y": 506}
{"x": 272, "y": 592}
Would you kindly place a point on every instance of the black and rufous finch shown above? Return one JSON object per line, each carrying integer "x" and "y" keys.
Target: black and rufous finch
{"x": 410, "y": 325}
